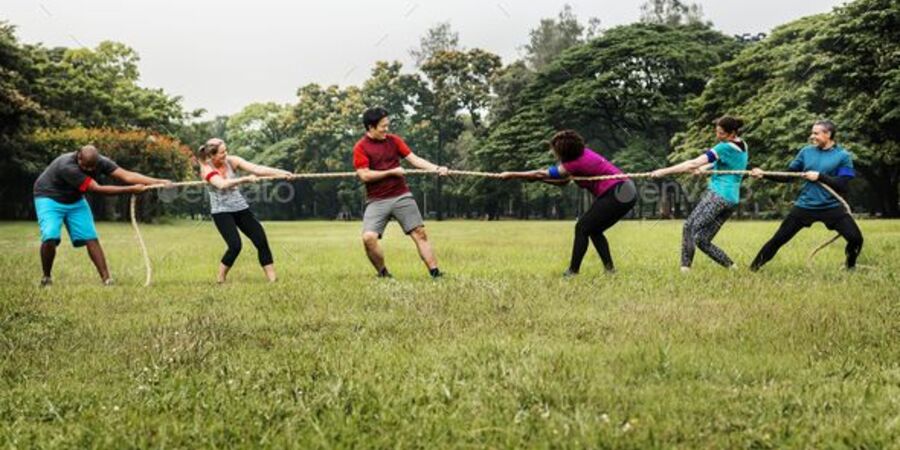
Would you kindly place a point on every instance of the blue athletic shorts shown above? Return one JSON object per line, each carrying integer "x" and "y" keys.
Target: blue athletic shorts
{"x": 77, "y": 217}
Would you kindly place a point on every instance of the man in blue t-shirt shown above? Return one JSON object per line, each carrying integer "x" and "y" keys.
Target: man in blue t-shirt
{"x": 59, "y": 201}
{"x": 822, "y": 162}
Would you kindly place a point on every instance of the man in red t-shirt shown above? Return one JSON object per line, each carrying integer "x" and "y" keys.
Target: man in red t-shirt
{"x": 376, "y": 158}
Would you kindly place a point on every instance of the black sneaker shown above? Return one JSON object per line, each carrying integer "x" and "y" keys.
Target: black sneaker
{"x": 436, "y": 273}
{"x": 383, "y": 273}
{"x": 46, "y": 282}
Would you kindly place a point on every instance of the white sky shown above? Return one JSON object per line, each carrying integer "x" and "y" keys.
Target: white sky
{"x": 223, "y": 55}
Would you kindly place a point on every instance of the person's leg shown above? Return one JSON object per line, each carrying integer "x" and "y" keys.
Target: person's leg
{"x": 250, "y": 226}
{"x": 227, "y": 227}
{"x": 426, "y": 253}
{"x": 702, "y": 213}
{"x": 95, "y": 252}
{"x": 80, "y": 222}
{"x": 591, "y": 222}
{"x": 374, "y": 252}
{"x": 50, "y": 220}
{"x": 788, "y": 229}
{"x": 601, "y": 244}
{"x": 849, "y": 230}
{"x": 375, "y": 219}
{"x": 705, "y": 231}
{"x": 406, "y": 212}
{"x": 613, "y": 212}
{"x": 580, "y": 240}
{"x": 48, "y": 254}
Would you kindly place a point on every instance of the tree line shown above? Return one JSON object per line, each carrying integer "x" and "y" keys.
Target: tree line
{"x": 643, "y": 94}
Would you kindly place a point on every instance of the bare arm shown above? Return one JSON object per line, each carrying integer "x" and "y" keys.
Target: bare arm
{"x": 759, "y": 173}
{"x": 256, "y": 169}
{"x": 539, "y": 175}
{"x": 422, "y": 163}
{"x": 220, "y": 182}
{"x": 129, "y": 177}
{"x": 686, "y": 166}
{"x": 115, "y": 190}
{"x": 370, "y": 176}
{"x": 531, "y": 175}
{"x": 703, "y": 168}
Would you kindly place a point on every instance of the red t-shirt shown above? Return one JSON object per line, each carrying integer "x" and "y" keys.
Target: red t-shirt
{"x": 374, "y": 154}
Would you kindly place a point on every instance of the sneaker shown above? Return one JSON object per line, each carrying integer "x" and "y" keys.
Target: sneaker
{"x": 435, "y": 273}
{"x": 46, "y": 282}
{"x": 569, "y": 273}
{"x": 685, "y": 269}
{"x": 383, "y": 273}
{"x": 109, "y": 282}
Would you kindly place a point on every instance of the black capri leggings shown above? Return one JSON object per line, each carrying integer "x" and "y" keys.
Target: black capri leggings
{"x": 603, "y": 214}
{"x": 229, "y": 223}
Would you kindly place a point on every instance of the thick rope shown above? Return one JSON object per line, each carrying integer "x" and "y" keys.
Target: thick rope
{"x": 496, "y": 175}
{"x": 809, "y": 259}
{"x": 821, "y": 246}
{"x": 137, "y": 232}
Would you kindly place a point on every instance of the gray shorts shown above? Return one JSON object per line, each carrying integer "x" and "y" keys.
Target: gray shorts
{"x": 403, "y": 209}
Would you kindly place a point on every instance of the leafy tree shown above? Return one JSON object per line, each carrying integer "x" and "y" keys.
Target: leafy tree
{"x": 98, "y": 88}
{"x": 327, "y": 123}
{"x": 552, "y": 36}
{"x": 20, "y": 112}
{"x": 864, "y": 47}
{"x": 146, "y": 152}
{"x": 841, "y": 65}
{"x": 258, "y": 126}
{"x": 672, "y": 13}
{"x": 624, "y": 90}
{"x": 439, "y": 38}
{"x": 458, "y": 82}
{"x": 401, "y": 94}
{"x": 508, "y": 84}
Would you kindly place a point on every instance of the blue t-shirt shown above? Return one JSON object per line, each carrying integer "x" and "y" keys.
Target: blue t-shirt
{"x": 835, "y": 162}
{"x": 728, "y": 156}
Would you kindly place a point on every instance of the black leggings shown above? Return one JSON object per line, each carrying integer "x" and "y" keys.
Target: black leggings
{"x": 228, "y": 224}
{"x": 603, "y": 214}
{"x": 799, "y": 218}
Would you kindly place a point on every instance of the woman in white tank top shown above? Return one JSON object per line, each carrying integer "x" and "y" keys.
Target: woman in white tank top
{"x": 229, "y": 209}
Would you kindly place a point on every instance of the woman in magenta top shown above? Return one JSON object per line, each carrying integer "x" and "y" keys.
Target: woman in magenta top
{"x": 612, "y": 198}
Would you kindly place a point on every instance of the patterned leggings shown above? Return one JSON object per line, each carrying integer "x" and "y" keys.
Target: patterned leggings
{"x": 701, "y": 227}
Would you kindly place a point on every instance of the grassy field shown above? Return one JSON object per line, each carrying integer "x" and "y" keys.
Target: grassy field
{"x": 503, "y": 352}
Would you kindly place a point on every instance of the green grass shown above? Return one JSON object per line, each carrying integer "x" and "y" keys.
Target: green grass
{"x": 501, "y": 353}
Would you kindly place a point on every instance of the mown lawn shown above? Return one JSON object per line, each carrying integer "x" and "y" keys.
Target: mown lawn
{"x": 503, "y": 352}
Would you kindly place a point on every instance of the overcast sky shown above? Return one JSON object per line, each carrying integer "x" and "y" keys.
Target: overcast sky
{"x": 224, "y": 55}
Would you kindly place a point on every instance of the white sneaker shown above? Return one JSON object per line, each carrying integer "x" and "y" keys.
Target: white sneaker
{"x": 685, "y": 269}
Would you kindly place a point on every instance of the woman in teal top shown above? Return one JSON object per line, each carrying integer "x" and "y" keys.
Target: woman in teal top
{"x": 720, "y": 199}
